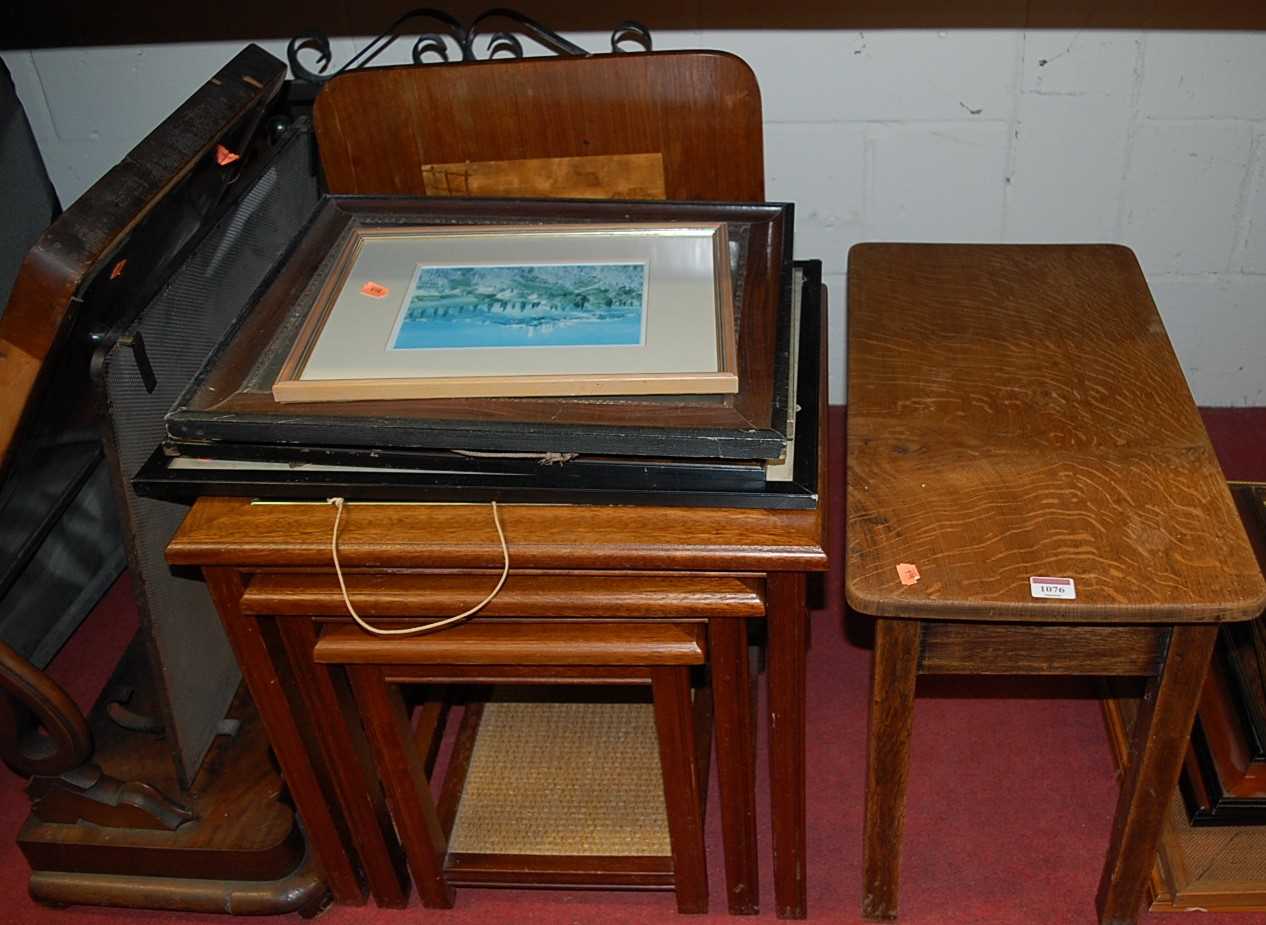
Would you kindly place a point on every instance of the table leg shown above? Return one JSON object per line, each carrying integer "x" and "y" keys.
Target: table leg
{"x": 351, "y": 764}
{"x": 896, "y": 668}
{"x": 404, "y": 776}
{"x": 736, "y": 759}
{"x": 329, "y": 839}
{"x": 787, "y": 619}
{"x": 676, "y": 734}
{"x": 1161, "y": 735}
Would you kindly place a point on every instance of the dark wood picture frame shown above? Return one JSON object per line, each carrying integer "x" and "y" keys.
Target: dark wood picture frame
{"x": 230, "y": 400}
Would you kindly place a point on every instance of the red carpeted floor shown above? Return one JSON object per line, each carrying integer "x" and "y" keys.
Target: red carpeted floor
{"x": 1009, "y": 807}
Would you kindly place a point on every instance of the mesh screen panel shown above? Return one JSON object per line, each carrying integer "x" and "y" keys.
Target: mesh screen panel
{"x": 194, "y": 668}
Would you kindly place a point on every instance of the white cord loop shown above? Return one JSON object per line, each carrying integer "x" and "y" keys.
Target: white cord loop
{"x": 414, "y": 630}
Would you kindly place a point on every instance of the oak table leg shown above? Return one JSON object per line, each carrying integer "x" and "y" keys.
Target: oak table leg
{"x": 896, "y": 668}
{"x": 1161, "y": 735}
{"x": 736, "y": 757}
{"x": 351, "y": 766}
{"x": 404, "y": 776}
{"x": 676, "y": 735}
{"x": 297, "y": 767}
{"x": 787, "y": 619}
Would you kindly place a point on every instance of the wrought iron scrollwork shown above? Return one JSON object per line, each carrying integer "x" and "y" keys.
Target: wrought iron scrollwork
{"x": 435, "y": 44}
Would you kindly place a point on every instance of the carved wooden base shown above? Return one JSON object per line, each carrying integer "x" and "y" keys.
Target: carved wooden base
{"x": 242, "y": 852}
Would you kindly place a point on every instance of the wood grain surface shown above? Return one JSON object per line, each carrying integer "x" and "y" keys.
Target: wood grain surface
{"x": 381, "y": 130}
{"x": 561, "y": 675}
{"x": 351, "y": 766}
{"x": 546, "y": 871}
{"x": 892, "y": 685}
{"x": 297, "y": 754}
{"x": 1159, "y": 742}
{"x": 788, "y": 628}
{"x": 1017, "y": 411}
{"x": 233, "y": 531}
{"x": 504, "y": 643}
{"x": 957, "y": 647}
{"x": 430, "y": 595}
{"x": 683, "y": 799}
{"x": 736, "y": 762}
{"x": 405, "y": 779}
{"x": 607, "y": 176}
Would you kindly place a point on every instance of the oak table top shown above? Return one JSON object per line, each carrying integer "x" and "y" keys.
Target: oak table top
{"x": 1017, "y": 411}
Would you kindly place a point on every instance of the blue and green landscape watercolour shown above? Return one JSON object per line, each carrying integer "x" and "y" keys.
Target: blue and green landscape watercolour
{"x": 542, "y": 305}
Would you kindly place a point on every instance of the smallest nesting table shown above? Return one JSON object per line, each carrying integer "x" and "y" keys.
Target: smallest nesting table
{"x": 1031, "y": 491}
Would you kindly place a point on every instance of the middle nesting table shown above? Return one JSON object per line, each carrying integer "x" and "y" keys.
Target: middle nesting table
{"x": 541, "y": 629}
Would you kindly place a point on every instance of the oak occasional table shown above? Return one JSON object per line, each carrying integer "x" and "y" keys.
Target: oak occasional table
{"x": 400, "y": 546}
{"x": 1016, "y": 413}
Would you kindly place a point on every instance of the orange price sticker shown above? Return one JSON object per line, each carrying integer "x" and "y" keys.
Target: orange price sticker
{"x": 375, "y": 290}
{"x": 909, "y": 574}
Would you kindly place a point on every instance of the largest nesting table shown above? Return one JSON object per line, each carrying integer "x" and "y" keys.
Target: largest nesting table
{"x": 1031, "y": 491}
{"x": 404, "y": 547}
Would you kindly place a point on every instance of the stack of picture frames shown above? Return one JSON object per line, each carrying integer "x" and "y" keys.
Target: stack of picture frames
{"x": 515, "y": 350}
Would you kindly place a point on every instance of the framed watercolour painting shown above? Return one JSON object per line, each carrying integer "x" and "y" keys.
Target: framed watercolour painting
{"x": 511, "y": 310}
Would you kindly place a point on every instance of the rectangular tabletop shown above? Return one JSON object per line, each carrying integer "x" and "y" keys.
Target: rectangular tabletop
{"x": 1017, "y": 411}
{"x": 238, "y": 533}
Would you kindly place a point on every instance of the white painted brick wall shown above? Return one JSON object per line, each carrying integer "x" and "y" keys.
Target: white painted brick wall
{"x": 891, "y": 76}
{"x": 1218, "y": 326}
{"x": 1252, "y": 257}
{"x": 1156, "y": 140}
{"x": 935, "y": 181}
{"x": 804, "y": 158}
{"x": 1203, "y": 75}
{"x": 1070, "y": 135}
{"x": 1068, "y": 156}
{"x": 1182, "y": 195}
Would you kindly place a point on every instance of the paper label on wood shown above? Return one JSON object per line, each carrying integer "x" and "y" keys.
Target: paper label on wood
{"x": 1061, "y": 588}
